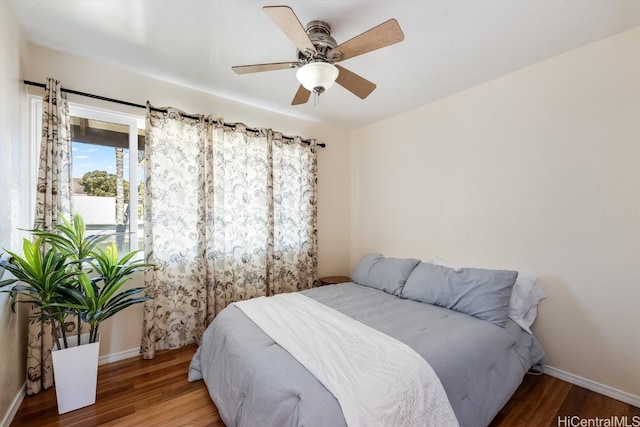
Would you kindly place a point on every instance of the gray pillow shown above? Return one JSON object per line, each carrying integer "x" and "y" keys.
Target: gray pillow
{"x": 481, "y": 293}
{"x": 385, "y": 274}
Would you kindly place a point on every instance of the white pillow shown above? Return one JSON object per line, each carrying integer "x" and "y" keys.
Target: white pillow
{"x": 525, "y": 295}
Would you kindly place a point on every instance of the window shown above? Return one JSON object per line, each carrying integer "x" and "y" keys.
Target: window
{"x": 103, "y": 169}
{"x": 108, "y": 156}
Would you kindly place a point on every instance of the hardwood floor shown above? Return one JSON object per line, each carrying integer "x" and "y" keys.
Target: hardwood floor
{"x": 133, "y": 392}
{"x": 137, "y": 392}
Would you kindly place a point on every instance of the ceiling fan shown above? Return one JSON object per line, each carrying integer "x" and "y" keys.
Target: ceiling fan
{"x": 318, "y": 52}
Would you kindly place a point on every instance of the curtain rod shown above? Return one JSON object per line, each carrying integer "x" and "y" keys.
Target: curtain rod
{"x": 160, "y": 110}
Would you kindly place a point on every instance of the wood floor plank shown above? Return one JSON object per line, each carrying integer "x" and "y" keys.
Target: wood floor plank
{"x": 138, "y": 392}
{"x": 597, "y": 404}
{"x": 538, "y": 406}
{"x": 574, "y": 402}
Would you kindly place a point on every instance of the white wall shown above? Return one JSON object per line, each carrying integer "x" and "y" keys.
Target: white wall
{"x": 123, "y": 333}
{"x": 537, "y": 171}
{"x": 14, "y": 206}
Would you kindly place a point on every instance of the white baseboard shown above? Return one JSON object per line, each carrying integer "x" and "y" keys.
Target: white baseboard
{"x": 114, "y": 357}
{"x": 593, "y": 386}
{"x": 6, "y": 421}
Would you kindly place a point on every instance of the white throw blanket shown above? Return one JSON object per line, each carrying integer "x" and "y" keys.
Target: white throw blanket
{"x": 377, "y": 380}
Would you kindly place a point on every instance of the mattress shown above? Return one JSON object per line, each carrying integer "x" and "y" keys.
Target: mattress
{"x": 253, "y": 381}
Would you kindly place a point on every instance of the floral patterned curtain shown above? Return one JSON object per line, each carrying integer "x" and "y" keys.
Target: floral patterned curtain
{"x": 294, "y": 264}
{"x": 240, "y": 232}
{"x": 236, "y": 220}
{"x": 55, "y": 188}
{"x": 175, "y": 229}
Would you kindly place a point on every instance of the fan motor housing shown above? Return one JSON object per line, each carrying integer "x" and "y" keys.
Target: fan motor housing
{"x": 320, "y": 34}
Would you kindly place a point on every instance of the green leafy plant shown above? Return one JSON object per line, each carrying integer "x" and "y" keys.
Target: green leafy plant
{"x": 69, "y": 238}
{"x": 65, "y": 273}
{"x": 99, "y": 298}
{"x": 41, "y": 279}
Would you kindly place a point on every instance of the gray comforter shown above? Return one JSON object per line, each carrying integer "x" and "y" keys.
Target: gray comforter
{"x": 254, "y": 382}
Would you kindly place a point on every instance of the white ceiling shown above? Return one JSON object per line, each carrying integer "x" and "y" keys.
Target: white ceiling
{"x": 449, "y": 45}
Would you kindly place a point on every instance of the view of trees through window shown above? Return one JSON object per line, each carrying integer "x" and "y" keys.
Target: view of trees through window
{"x": 101, "y": 175}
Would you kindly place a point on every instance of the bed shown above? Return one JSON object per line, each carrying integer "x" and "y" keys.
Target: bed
{"x": 254, "y": 381}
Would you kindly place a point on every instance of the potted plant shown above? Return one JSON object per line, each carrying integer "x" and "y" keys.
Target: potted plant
{"x": 66, "y": 273}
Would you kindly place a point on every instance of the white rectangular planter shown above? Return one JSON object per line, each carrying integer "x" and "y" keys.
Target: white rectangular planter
{"x": 75, "y": 371}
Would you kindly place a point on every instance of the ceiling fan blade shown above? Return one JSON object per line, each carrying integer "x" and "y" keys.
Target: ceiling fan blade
{"x": 289, "y": 23}
{"x": 301, "y": 97}
{"x": 257, "y": 68}
{"x": 385, "y": 34}
{"x": 355, "y": 84}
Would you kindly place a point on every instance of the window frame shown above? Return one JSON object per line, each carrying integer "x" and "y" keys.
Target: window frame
{"x": 132, "y": 121}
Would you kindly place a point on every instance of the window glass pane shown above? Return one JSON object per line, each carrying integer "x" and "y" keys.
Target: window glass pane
{"x": 101, "y": 164}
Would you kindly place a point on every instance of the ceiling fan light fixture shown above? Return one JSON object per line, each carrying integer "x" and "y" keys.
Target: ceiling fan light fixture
{"x": 317, "y": 76}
